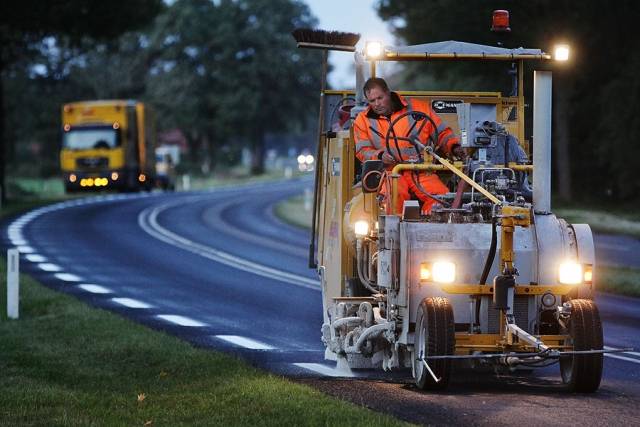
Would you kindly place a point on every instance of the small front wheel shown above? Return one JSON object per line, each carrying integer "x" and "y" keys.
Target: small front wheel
{"x": 582, "y": 372}
{"x": 434, "y": 336}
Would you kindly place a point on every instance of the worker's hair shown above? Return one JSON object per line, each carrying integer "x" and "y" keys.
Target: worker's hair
{"x": 374, "y": 82}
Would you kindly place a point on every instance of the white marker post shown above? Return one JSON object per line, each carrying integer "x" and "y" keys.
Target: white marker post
{"x": 13, "y": 283}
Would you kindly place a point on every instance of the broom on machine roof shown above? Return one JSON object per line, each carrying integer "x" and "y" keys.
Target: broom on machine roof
{"x": 321, "y": 39}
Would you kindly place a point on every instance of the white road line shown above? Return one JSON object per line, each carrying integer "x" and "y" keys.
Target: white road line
{"x": 633, "y": 353}
{"x": 68, "y": 277}
{"x": 26, "y": 249}
{"x": 131, "y": 303}
{"x": 325, "y": 370}
{"x": 628, "y": 359}
{"x": 181, "y": 320}
{"x": 95, "y": 289}
{"x": 147, "y": 220}
{"x": 35, "y": 258}
{"x": 245, "y": 342}
{"x": 47, "y": 266}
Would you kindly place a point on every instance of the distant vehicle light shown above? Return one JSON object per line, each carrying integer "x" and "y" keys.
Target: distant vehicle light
{"x": 301, "y": 158}
{"x": 114, "y": 176}
{"x": 73, "y": 178}
{"x": 67, "y": 127}
{"x": 361, "y": 228}
{"x": 570, "y": 273}
{"x": 142, "y": 177}
{"x": 116, "y": 125}
{"x": 373, "y": 49}
{"x": 500, "y": 21}
{"x": 444, "y": 272}
{"x": 561, "y": 52}
{"x": 309, "y": 159}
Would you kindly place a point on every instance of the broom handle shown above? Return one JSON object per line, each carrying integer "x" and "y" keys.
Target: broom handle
{"x": 316, "y": 194}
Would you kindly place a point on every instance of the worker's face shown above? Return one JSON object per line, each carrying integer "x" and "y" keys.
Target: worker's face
{"x": 379, "y": 101}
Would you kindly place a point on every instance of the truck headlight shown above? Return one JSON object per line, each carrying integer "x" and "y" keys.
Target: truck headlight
{"x": 570, "y": 273}
{"x": 361, "y": 228}
{"x": 438, "y": 272}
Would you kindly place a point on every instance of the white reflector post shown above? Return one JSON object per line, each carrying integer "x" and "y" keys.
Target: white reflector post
{"x": 542, "y": 141}
{"x": 13, "y": 283}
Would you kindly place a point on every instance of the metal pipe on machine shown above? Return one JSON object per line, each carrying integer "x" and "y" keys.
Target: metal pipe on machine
{"x": 542, "y": 141}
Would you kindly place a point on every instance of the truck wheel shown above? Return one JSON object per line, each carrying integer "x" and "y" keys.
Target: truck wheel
{"x": 434, "y": 336}
{"x": 582, "y": 372}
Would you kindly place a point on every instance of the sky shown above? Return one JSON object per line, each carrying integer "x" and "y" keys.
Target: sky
{"x": 354, "y": 16}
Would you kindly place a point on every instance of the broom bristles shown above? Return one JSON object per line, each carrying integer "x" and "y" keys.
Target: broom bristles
{"x": 334, "y": 38}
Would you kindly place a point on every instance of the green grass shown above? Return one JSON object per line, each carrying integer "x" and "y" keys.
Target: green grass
{"x": 293, "y": 211}
{"x": 623, "y": 281}
{"x": 65, "y": 363}
{"x": 603, "y": 221}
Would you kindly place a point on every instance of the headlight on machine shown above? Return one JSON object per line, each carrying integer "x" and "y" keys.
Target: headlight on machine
{"x": 361, "y": 228}
{"x": 438, "y": 272}
{"x": 570, "y": 273}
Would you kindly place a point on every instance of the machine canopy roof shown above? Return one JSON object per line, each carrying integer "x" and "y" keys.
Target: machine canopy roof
{"x": 460, "y": 49}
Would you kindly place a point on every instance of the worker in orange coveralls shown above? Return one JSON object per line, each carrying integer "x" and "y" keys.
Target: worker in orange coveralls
{"x": 370, "y": 130}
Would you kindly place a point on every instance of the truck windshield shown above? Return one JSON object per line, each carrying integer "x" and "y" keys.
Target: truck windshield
{"x": 85, "y": 139}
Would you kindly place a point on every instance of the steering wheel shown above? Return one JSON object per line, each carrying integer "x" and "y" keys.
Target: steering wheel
{"x": 418, "y": 117}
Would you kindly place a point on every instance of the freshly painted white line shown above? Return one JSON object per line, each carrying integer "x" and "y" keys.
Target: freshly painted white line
{"x": 324, "y": 370}
{"x": 19, "y": 242}
{"x": 245, "y": 342}
{"x": 26, "y": 249}
{"x": 628, "y": 359}
{"x": 181, "y": 320}
{"x": 131, "y": 303}
{"x": 35, "y": 258}
{"x": 148, "y": 221}
{"x": 68, "y": 277}
{"x": 47, "y": 266}
{"x": 95, "y": 289}
{"x": 633, "y": 353}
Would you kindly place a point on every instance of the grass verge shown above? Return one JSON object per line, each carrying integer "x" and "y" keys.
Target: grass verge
{"x": 293, "y": 212}
{"x": 617, "y": 280}
{"x": 601, "y": 221}
{"x": 65, "y": 363}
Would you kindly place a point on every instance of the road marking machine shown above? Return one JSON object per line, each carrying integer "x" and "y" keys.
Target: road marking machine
{"x": 490, "y": 276}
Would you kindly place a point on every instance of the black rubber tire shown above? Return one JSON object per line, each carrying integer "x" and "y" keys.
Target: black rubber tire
{"x": 434, "y": 336}
{"x": 582, "y": 372}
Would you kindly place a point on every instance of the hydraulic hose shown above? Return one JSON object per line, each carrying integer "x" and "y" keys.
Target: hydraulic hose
{"x": 492, "y": 252}
{"x": 367, "y": 284}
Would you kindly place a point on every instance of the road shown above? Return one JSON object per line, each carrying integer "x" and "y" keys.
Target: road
{"x": 218, "y": 269}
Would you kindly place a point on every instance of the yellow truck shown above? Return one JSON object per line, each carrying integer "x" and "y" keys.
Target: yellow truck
{"x": 490, "y": 276}
{"x": 107, "y": 144}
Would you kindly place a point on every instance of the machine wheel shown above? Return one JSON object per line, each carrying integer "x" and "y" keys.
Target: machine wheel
{"x": 434, "y": 336}
{"x": 582, "y": 372}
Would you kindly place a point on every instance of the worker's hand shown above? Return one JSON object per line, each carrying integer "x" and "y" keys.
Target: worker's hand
{"x": 459, "y": 152}
{"x": 387, "y": 158}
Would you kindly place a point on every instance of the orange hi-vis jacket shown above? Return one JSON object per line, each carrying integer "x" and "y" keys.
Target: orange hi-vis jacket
{"x": 370, "y": 130}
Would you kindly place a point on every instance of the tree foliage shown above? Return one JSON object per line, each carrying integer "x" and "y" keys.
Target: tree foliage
{"x": 598, "y": 89}
{"x": 225, "y": 72}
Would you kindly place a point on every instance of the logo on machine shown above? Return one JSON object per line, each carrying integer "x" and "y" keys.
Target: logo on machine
{"x": 445, "y": 106}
